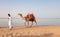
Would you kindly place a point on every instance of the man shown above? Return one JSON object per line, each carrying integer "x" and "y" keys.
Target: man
{"x": 10, "y": 21}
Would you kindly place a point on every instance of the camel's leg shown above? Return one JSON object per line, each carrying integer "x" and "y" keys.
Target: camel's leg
{"x": 28, "y": 23}
{"x": 25, "y": 23}
{"x": 35, "y": 22}
{"x": 31, "y": 24}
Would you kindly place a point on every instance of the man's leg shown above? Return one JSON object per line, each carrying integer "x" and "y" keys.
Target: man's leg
{"x": 10, "y": 26}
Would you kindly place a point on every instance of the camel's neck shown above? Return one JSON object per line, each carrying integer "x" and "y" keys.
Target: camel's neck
{"x": 21, "y": 16}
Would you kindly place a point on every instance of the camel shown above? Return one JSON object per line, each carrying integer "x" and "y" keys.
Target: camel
{"x": 27, "y": 18}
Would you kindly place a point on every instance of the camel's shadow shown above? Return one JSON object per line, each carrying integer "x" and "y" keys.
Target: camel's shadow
{"x": 47, "y": 35}
{"x": 44, "y": 35}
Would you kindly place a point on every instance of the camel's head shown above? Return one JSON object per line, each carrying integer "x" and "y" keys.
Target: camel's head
{"x": 20, "y": 14}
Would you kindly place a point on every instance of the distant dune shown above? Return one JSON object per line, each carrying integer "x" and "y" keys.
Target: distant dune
{"x": 35, "y": 31}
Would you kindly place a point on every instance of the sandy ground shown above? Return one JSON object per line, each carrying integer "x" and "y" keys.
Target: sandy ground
{"x": 35, "y": 31}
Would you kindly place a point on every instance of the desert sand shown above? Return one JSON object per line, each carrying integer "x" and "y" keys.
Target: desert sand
{"x": 34, "y": 31}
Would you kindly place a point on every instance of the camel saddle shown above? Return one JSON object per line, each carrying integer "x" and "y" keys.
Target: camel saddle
{"x": 31, "y": 17}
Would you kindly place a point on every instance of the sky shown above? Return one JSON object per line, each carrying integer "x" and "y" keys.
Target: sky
{"x": 40, "y": 8}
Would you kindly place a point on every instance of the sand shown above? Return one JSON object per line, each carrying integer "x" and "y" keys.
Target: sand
{"x": 35, "y": 31}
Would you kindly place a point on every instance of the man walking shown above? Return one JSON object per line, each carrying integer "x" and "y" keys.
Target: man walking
{"x": 10, "y": 21}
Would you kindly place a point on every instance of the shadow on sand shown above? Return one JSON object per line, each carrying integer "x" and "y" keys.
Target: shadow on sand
{"x": 19, "y": 35}
{"x": 44, "y": 35}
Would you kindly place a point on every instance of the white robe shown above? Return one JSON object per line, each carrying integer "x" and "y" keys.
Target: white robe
{"x": 10, "y": 23}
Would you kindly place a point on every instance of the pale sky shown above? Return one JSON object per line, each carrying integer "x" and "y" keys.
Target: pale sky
{"x": 40, "y": 8}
